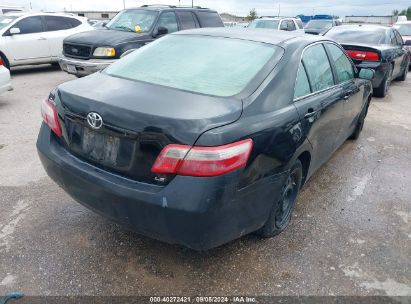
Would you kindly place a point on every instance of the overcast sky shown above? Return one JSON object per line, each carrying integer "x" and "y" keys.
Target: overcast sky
{"x": 239, "y": 7}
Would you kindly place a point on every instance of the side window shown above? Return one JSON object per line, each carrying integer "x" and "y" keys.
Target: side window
{"x": 169, "y": 21}
{"x": 56, "y": 23}
{"x": 187, "y": 20}
{"x": 290, "y": 25}
{"x": 343, "y": 66}
{"x": 399, "y": 38}
{"x": 209, "y": 19}
{"x": 30, "y": 25}
{"x": 318, "y": 68}
{"x": 283, "y": 25}
{"x": 302, "y": 86}
{"x": 393, "y": 39}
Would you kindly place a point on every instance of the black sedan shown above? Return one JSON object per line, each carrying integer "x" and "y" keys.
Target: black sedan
{"x": 377, "y": 47}
{"x": 195, "y": 140}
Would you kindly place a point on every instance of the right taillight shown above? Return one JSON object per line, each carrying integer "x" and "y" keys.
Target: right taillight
{"x": 50, "y": 116}
{"x": 1, "y": 61}
{"x": 362, "y": 55}
{"x": 203, "y": 161}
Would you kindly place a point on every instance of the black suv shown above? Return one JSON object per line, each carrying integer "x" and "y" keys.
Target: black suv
{"x": 91, "y": 51}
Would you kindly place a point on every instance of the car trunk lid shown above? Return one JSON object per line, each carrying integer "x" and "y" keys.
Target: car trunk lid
{"x": 139, "y": 119}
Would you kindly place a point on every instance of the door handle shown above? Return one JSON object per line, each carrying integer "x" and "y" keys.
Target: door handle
{"x": 310, "y": 113}
{"x": 347, "y": 95}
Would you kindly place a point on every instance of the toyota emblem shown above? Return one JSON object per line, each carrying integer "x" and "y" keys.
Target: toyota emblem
{"x": 94, "y": 120}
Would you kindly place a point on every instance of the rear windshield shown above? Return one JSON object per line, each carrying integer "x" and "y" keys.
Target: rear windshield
{"x": 201, "y": 64}
{"x": 270, "y": 24}
{"x": 344, "y": 35}
{"x": 319, "y": 24}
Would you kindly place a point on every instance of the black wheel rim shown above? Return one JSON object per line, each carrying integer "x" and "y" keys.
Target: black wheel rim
{"x": 287, "y": 201}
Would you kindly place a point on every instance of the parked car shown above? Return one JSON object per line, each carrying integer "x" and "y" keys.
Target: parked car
{"x": 320, "y": 26}
{"x": 36, "y": 38}
{"x": 5, "y": 81}
{"x": 376, "y": 47}
{"x": 283, "y": 24}
{"x": 193, "y": 140}
{"x": 129, "y": 30}
{"x": 404, "y": 28}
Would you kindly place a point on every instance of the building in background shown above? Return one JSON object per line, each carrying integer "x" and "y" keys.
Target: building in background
{"x": 232, "y": 18}
{"x": 383, "y": 20}
{"x": 95, "y": 15}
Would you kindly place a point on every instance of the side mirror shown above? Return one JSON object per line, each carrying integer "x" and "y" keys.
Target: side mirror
{"x": 407, "y": 43}
{"x": 367, "y": 74}
{"x": 161, "y": 30}
{"x": 14, "y": 31}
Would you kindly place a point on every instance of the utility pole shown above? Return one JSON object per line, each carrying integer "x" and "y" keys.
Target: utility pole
{"x": 124, "y": 4}
{"x": 279, "y": 9}
{"x": 192, "y": 3}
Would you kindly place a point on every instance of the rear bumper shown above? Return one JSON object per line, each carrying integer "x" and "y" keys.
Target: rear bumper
{"x": 5, "y": 81}
{"x": 380, "y": 71}
{"x": 199, "y": 213}
{"x": 83, "y": 67}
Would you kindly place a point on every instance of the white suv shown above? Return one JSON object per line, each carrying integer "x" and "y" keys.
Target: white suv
{"x": 36, "y": 38}
{"x": 279, "y": 23}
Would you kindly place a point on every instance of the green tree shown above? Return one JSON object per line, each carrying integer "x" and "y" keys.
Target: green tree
{"x": 395, "y": 12}
{"x": 252, "y": 15}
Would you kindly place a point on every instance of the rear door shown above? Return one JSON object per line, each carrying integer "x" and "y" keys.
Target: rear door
{"x": 351, "y": 94}
{"x": 30, "y": 46}
{"x": 398, "y": 52}
{"x": 318, "y": 101}
{"x": 58, "y": 28}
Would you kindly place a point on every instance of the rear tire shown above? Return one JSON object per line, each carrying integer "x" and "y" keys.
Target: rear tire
{"x": 382, "y": 90}
{"x": 360, "y": 123}
{"x": 281, "y": 211}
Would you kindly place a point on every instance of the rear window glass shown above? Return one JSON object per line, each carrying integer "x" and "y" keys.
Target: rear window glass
{"x": 209, "y": 19}
{"x": 268, "y": 24}
{"x": 207, "y": 65}
{"x": 346, "y": 35}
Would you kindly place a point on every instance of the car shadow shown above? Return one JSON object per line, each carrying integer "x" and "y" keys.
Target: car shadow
{"x": 33, "y": 69}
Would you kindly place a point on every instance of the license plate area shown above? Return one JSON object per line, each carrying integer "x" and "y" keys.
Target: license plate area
{"x": 101, "y": 148}
{"x": 71, "y": 69}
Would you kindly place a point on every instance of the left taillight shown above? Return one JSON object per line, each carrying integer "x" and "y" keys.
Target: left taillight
{"x": 50, "y": 116}
{"x": 203, "y": 161}
{"x": 1, "y": 61}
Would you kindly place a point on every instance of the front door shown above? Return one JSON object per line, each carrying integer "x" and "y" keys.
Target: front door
{"x": 30, "y": 45}
{"x": 318, "y": 103}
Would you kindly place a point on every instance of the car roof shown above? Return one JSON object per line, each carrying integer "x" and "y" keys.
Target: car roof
{"x": 362, "y": 27}
{"x": 34, "y": 13}
{"x": 276, "y": 18}
{"x": 171, "y": 7}
{"x": 257, "y": 35}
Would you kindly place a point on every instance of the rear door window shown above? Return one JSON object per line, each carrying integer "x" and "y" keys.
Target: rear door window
{"x": 187, "y": 20}
{"x": 169, "y": 21}
{"x": 343, "y": 66}
{"x": 302, "y": 85}
{"x": 318, "y": 68}
{"x": 57, "y": 23}
{"x": 209, "y": 19}
{"x": 30, "y": 25}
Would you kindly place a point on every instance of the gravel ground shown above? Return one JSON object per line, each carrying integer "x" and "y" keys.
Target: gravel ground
{"x": 350, "y": 234}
